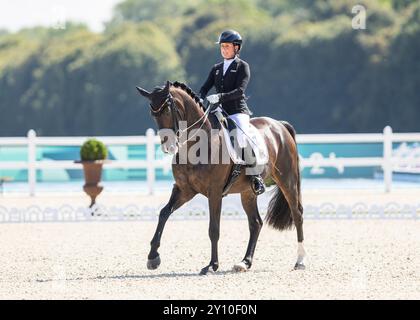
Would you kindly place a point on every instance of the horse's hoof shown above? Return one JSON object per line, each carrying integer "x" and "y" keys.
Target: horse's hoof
{"x": 153, "y": 264}
{"x": 240, "y": 267}
{"x": 299, "y": 266}
{"x": 209, "y": 269}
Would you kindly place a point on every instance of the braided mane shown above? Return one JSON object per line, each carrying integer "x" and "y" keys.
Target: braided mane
{"x": 189, "y": 91}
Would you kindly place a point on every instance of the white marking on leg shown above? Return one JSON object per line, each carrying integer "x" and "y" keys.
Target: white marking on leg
{"x": 301, "y": 253}
{"x": 240, "y": 267}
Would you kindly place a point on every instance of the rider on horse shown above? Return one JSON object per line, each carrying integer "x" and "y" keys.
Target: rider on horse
{"x": 175, "y": 103}
{"x": 230, "y": 79}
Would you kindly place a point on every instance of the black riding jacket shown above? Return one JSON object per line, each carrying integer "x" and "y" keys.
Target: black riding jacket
{"x": 232, "y": 86}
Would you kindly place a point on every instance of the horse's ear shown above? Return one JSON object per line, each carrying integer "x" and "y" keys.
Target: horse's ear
{"x": 168, "y": 84}
{"x": 143, "y": 92}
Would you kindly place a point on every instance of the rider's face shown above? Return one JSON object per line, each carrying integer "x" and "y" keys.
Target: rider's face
{"x": 227, "y": 50}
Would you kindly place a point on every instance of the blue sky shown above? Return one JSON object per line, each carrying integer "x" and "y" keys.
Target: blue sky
{"x": 16, "y": 14}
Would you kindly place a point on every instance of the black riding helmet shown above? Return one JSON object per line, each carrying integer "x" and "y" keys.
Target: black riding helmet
{"x": 230, "y": 36}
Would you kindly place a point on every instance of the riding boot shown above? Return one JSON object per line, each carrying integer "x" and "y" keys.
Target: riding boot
{"x": 257, "y": 182}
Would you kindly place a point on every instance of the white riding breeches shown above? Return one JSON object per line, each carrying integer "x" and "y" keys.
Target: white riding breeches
{"x": 242, "y": 121}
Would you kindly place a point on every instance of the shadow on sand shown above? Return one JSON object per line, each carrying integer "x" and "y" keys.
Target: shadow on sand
{"x": 152, "y": 276}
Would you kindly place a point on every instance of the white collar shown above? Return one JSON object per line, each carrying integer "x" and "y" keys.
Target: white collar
{"x": 226, "y": 64}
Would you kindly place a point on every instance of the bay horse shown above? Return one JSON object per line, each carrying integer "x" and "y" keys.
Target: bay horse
{"x": 176, "y": 102}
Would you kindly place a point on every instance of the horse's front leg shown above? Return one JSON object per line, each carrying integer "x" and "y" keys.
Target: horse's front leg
{"x": 215, "y": 208}
{"x": 178, "y": 198}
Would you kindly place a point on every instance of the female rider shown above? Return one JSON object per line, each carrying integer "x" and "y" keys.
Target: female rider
{"x": 230, "y": 79}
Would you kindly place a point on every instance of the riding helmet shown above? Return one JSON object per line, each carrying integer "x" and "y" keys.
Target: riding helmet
{"x": 230, "y": 36}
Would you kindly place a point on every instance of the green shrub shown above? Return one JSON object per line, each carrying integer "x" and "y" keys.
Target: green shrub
{"x": 93, "y": 150}
{"x": 269, "y": 181}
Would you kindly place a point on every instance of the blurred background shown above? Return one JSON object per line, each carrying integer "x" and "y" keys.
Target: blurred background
{"x": 70, "y": 67}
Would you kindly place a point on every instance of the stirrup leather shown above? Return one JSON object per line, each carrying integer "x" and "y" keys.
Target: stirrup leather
{"x": 234, "y": 174}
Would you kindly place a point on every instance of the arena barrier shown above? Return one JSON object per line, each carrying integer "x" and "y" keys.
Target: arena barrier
{"x": 389, "y": 162}
{"x": 100, "y": 213}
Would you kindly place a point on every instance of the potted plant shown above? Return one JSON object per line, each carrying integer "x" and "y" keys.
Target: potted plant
{"x": 93, "y": 154}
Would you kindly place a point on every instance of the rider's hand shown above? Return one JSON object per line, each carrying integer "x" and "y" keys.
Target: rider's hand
{"x": 214, "y": 98}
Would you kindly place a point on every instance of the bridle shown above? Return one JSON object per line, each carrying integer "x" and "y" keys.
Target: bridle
{"x": 168, "y": 103}
{"x": 176, "y": 117}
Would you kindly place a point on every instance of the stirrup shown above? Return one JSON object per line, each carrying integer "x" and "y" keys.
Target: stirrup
{"x": 257, "y": 184}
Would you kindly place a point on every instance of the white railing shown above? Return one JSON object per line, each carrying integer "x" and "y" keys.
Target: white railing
{"x": 32, "y": 141}
{"x": 315, "y": 161}
{"x": 387, "y": 161}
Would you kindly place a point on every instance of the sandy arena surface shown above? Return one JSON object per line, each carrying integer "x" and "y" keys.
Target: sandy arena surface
{"x": 99, "y": 260}
{"x": 348, "y": 259}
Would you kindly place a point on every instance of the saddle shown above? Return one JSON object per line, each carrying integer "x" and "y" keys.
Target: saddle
{"x": 255, "y": 142}
{"x": 253, "y": 137}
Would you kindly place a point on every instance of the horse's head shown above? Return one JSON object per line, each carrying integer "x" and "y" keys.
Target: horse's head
{"x": 165, "y": 114}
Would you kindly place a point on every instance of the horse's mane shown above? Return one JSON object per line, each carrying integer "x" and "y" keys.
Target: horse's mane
{"x": 189, "y": 91}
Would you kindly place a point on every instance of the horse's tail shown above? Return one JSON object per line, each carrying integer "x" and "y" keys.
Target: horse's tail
{"x": 279, "y": 215}
{"x": 292, "y": 132}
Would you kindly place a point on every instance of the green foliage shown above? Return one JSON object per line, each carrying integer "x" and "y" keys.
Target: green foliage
{"x": 93, "y": 150}
{"x": 402, "y": 4}
{"x": 269, "y": 182}
{"x": 147, "y": 10}
{"x": 308, "y": 65}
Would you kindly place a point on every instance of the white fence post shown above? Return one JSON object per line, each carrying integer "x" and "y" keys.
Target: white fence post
{"x": 387, "y": 166}
{"x": 150, "y": 154}
{"x": 32, "y": 162}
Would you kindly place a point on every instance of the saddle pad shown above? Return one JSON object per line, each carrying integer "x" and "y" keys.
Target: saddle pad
{"x": 255, "y": 140}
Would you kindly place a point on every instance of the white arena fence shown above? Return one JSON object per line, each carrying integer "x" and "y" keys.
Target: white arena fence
{"x": 388, "y": 162}
{"x": 99, "y": 213}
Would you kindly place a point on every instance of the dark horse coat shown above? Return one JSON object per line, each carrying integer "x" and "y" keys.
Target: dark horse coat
{"x": 176, "y": 101}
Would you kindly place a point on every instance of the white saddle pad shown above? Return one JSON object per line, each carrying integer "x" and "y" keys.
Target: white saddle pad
{"x": 255, "y": 140}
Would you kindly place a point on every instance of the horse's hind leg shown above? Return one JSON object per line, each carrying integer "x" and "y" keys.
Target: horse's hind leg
{"x": 178, "y": 198}
{"x": 249, "y": 202}
{"x": 289, "y": 185}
